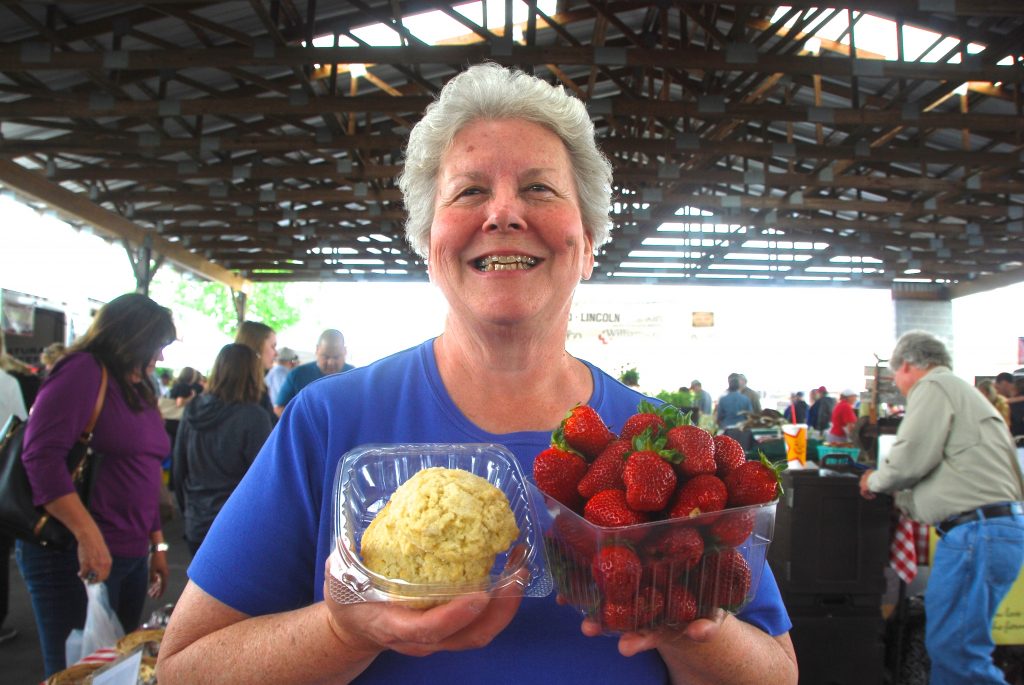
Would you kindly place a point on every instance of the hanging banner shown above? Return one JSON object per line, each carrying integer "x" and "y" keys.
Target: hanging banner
{"x": 16, "y": 318}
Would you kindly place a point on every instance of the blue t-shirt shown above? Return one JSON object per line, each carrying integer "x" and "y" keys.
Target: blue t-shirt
{"x": 729, "y": 407}
{"x": 298, "y": 378}
{"x": 266, "y": 550}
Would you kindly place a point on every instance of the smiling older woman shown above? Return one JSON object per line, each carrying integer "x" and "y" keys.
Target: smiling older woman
{"x": 508, "y": 197}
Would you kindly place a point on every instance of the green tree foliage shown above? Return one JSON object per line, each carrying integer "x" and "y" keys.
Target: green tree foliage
{"x": 267, "y": 303}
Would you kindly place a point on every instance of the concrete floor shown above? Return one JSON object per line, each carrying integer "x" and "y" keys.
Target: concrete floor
{"x": 21, "y": 662}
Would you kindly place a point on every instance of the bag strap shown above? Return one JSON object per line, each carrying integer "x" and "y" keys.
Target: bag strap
{"x": 86, "y": 437}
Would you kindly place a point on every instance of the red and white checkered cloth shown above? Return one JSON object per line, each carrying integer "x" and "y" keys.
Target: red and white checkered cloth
{"x": 903, "y": 549}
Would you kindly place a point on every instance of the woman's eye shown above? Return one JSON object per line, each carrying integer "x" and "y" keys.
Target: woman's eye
{"x": 538, "y": 188}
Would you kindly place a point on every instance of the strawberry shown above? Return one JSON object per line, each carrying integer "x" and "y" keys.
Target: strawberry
{"x": 699, "y": 495}
{"x": 754, "y": 482}
{"x": 731, "y": 529}
{"x": 585, "y": 431}
{"x": 557, "y": 473}
{"x": 696, "y": 447}
{"x": 619, "y": 616}
{"x": 649, "y": 478}
{"x": 605, "y": 473}
{"x": 728, "y": 454}
{"x": 617, "y": 573}
{"x": 681, "y": 605}
{"x": 647, "y": 417}
{"x": 575, "y": 535}
{"x": 724, "y": 580}
{"x": 608, "y": 509}
{"x": 650, "y": 607}
{"x": 681, "y": 546}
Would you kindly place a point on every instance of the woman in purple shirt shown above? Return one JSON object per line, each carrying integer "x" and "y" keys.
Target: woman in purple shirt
{"x": 119, "y": 540}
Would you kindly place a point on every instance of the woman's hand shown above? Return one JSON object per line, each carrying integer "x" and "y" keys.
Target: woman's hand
{"x": 159, "y": 571}
{"x": 630, "y": 644}
{"x": 469, "y": 622}
{"x": 94, "y": 560}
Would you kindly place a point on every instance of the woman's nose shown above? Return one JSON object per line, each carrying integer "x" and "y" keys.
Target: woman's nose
{"x": 505, "y": 214}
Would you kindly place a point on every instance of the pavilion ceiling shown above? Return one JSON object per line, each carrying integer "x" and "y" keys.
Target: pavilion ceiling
{"x": 222, "y": 136}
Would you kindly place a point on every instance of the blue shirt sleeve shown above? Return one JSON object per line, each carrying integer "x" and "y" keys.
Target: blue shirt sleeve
{"x": 287, "y": 391}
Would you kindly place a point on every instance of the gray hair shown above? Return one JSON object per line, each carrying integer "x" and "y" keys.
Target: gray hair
{"x": 490, "y": 91}
{"x": 920, "y": 349}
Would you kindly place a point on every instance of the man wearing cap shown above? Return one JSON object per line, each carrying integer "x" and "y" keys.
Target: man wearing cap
{"x": 330, "y": 358}
{"x": 287, "y": 359}
{"x": 796, "y": 412}
{"x": 953, "y": 466}
{"x": 844, "y": 418}
{"x": 701, "y": 398}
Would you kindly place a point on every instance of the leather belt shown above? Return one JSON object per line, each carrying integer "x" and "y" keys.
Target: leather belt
{"x": 988, "y": 511}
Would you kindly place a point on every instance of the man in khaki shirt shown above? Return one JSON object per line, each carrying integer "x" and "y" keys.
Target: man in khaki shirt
{"x": 954, "y": 466}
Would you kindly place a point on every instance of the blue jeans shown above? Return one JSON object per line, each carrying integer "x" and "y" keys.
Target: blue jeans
{"x": 59, "y": 600}
{"x": 975, "y": 565}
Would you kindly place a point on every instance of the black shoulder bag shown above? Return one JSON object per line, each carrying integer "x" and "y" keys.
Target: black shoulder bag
{"x": 18, "y": 516}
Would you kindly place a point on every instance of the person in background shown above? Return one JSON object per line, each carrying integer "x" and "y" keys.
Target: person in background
{"x": 165, "y": 379}
{"x": 330, "y": 359}
{"x": 825, "y": 404}
{"x": 220, "y": 434}
{"x": 28, "y": 380}
{"x": 796, "y": 411}
{"x": 50, "y": 355}
{"x": 119, "y": 539}
{"x": 263, "y": 341}
{"x": 752, "y": 395}
{"x": 12, "y": 403}
{"x": 812, "y": 409}
{"x": 507, "y": 198}
{"x": 844, "y": 418}
{"x": 287, "y": 359}
{"x": 1005, "y": 385}
{"x": 953, "y": 466}
{"x": 702, "y": 398}
{"x": 733, "y": 406}
{"x": 988, "y": 389}
{"x": 1016, "y": 402}
{"x": 187, "y": 386}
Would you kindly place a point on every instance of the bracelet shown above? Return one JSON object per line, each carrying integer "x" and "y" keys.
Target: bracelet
{"x": 159, "y": 547}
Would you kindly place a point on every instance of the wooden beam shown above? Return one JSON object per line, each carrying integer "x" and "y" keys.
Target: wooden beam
{"x": 986, "y": 283}
{"x": 78, "y": 208}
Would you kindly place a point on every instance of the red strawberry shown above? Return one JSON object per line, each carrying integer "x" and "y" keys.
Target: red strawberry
{"x": 681, "y": 605}
{"x": 728, "y": 454}
{"x": 617, "y": 573}
{"x": 699, "y": 495}
{"x": 649, "y": 478}
{"x": 681, "y": 546}
{"x": 605, "y": 473}
{"x": 557, "y": 473}
{"x": 754, "y": 482}
{"x": 585, "y": 431}
{"x": 575, "y": 535}
{"x": 619, "y": 616}
{"x": 696, "y": 447}
{"x": 647, "y": 416}
{"x": 732, "y": 528}
{"x": 650, "y": 607}
{"x": 724, "y": 580}
{"x": 608, "y": 509}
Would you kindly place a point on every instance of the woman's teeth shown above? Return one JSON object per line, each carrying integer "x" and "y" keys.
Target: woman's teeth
{"x": 506, "y": 263}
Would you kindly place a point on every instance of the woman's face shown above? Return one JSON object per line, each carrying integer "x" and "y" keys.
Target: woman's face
{"x": 269, "y": 352}
{"x": 507, "y": 244}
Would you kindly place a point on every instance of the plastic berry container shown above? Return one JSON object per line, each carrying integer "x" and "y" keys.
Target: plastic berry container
{"x": 655, "y": 574}
{"x": 364, "y": 481}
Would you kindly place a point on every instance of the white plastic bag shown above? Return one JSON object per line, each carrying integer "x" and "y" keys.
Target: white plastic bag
{"x": 102, "y": 629}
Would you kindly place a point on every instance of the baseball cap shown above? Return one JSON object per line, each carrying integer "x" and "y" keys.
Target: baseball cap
{"x": 287, "y": 354}
{"x": 822, "y": 390}
{"x": 848, "y": 393}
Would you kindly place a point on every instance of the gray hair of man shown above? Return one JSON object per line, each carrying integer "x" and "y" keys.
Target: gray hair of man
{"x": 920, "y": 349}
{"x": 489, "y": 91}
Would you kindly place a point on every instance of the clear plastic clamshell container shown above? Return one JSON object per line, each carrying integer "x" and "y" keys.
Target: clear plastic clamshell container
{"x": 652, "y": 587}
{"x": 366, "y": 478}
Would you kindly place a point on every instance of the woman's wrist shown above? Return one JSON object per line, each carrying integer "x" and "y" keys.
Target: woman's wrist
{"x": 159, "y": 547}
